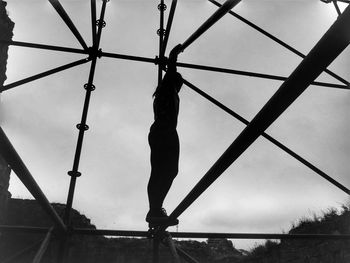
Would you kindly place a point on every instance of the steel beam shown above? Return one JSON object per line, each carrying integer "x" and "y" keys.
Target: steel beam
{"x": 23, "y": 229}
{"x": 290, "y": 48}
{"x": 128, "y": 57}
{"x": 336, "y": 39}
{"x": 160, "y": 31}
{"x": 186, "y": 256}
{"x": 170, "y": 244}
{"x": 93, "y": 22}
{"x": 168, "y": 27}
{"x": 8, "y": 152}
{"x": 43, "y": 74}
{"x": 256, "y": 75}
{"x": 107, "y": 232}
{"x": 60, "y": 10}
{"x": 269, "y": 138}
{"x": 42, "y": 46}
{"x": 39, "y": 255}
{"x": 101, "y": 24}
{"x": 226, "y": 7}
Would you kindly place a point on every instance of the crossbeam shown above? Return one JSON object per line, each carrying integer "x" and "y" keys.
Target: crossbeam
{"x": 336, "y": 39}
{"x": 256, "y": 75}
{"x": 8, "y": 152}
{"x": 269, "y": 138}
{"x": 43, "y": 74}
{"x": 282, "y": 43}
{"x": 43, "y": 46}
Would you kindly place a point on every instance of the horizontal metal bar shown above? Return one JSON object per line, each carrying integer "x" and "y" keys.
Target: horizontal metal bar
{"x": 42, "y": 46}
{"x": 8, "y": 152}
{"x": 226, "y": 7}
{"x": 23, "y": 229}
{"x": 258, "y": 236}
{"x": 128, "y": 57}
{"x": 39, "y": 255}
{"x": 290, "y": 48}
{"x": 43, "y": 74}
{"x": 336, "y": 39}
{"x": 105, "y": 232}
{"x": 268, "y": 137}
{"x": 254, "y": 74}
{"x": 60, "y": 10}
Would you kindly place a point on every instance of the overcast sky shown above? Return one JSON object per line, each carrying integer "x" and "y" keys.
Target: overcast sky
{"x": 265, "y": 190}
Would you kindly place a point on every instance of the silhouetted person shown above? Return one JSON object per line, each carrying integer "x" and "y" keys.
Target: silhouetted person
{"x": 164, "y": 142}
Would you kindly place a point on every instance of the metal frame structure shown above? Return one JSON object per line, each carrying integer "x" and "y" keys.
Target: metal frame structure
{"x": 313, "y": 64}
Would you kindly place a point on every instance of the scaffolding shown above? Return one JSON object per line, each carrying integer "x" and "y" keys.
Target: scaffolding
{"x": 312, "y": 65}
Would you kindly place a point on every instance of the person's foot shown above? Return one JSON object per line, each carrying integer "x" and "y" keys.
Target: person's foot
{"x": 159, "y": 217}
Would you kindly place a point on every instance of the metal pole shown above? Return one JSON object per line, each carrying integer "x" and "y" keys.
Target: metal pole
{"x": 290, "y": 48}
{"x": 186, "y": 256}
{"x": 254, "y": 74}
{"x": 155, "y": 250}
{"x": 170, "y": 243}
{"x": 42, "y": 46}
{"x": 168, "y": 26}
{"x": 43, "y": 74}
{"x": 101, "y": 23}
{"x": 22, "y": 252}
{"x": 336, "y": 39}
{"x": 23, "y": 229}
{"x": 336, "y": 7}
{"x": 93, "y": 21}
{"x": 128, "y": 57}
{"x": 8, "y": 152}
{"x": 160, "y": 32}
{"x": 226, "y": 7}
{"x": 269, "y": 138}
{"x": 43, "y": 247}
{"x": 60, "y": 10}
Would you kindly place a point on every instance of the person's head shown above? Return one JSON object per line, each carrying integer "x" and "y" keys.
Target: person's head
{"x": 171, "y": 82}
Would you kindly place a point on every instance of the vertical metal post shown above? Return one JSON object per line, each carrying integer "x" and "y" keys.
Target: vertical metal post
{"x": 160, "y": 31}
{"x": 168, "y": 26}
{"x": 155, "y": 251}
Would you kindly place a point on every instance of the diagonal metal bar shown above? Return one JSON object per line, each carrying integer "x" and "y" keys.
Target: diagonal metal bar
{"x": 186, "y": 256}
{"x": 21, "y": 252}
{"x": 8, "y": 152}
{"x": 290, "y": 48}
{"x": 336, "y": 7}
{"x": 60, "y": 10}
{"x": 226, "y": 7}
{"x": 169, "y": 242}
{"x": 43, "y": 74}
{"x": 42, "y": 46}
{"x": 93, "y": 22}
{"x": 336, "y": 39}
{"x": 39, "y": 255}
{"x": 168, "y": 27}
{"x": 269, "y": 138}
{"x": 254, "y": 74}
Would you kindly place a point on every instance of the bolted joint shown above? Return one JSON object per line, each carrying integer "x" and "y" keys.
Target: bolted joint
{"x": 89, "y": 87}
{"x": 74, "y": 173}
{"x": 161, "y": 32}
{"x": 162, "y": 7}
{"x": 82, "y": 127}
{"x": 100, "y": 23}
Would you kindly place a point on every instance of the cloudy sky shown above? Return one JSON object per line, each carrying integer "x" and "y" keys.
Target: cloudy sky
{"x": 265, "y": 190}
